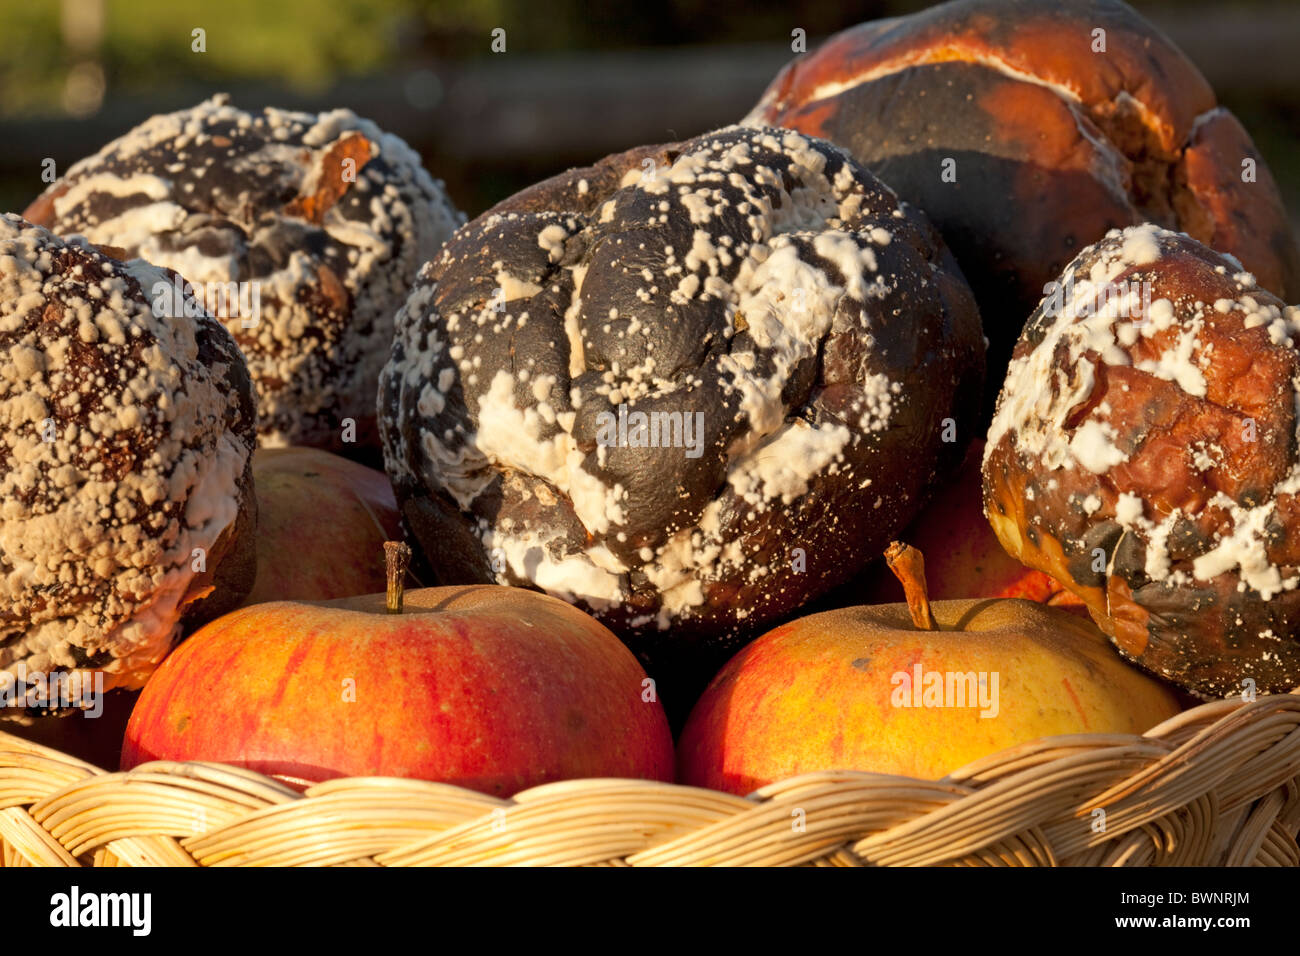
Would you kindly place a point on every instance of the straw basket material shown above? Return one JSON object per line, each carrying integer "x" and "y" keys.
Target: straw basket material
{"x": 1218, "y": 784}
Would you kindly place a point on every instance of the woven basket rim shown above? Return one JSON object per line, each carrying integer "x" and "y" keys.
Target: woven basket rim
{"x": 1219, "y": 782}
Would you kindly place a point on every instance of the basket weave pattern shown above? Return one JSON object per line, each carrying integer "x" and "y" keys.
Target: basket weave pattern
{"x": 1216, "y": 785}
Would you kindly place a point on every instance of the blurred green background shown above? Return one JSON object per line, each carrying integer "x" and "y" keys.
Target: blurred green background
{"x": 577, "y": 79}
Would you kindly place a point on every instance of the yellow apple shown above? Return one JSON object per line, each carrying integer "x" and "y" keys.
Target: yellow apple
{"x": 873, "y": 688}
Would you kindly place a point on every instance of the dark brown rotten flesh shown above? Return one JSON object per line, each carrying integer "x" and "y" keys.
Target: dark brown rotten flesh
{"x": 1145, "y": 454}
{"x": 688, "y": 388}
{"x": 1027, "y": 129}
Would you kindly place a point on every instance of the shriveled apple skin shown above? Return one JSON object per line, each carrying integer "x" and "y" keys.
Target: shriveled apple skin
{"x": 322, "y": 522}
{"x": 816, "y": 694}
{"x": 491, "y": 688}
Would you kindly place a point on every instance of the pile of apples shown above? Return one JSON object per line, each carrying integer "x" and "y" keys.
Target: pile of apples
{"x": 335, "y": 667}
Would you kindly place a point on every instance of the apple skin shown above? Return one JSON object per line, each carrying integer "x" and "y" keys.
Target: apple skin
{"x": 492, "y": 688}
{"x": 317, "y": 536}
{"x": 818, "y": 693}
{"x": 963, "y": 557}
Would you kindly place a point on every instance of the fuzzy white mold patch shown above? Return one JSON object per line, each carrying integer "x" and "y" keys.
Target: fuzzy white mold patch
{"x": 767, "y": 228}
{"x": 124, "y": 453}
{"x": 1081, "y": 322}
{"x": 304, "y": 249}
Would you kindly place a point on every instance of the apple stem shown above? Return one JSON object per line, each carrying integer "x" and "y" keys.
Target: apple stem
{"x": 397, "y": 557}
{"x": 908, "y": 566}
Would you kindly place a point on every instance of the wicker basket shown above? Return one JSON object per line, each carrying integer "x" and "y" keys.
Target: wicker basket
{"x": 1218, "y": 784}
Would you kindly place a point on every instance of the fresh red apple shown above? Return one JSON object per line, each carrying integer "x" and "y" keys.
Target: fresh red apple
{"x": 322, "y": 521}
{"x": 963, "y": 556}
{"x": 493, "y": 688}
{"x": 918, "y": 691}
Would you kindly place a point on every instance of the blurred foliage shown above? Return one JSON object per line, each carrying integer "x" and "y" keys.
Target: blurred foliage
{"x": 305, "y": 43}
{"x": 310, "y": 46}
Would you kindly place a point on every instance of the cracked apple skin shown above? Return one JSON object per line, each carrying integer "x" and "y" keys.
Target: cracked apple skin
{"x": 491, "y": 688}
{"x": 824, "y": 345}
{"x": 1051, "y": 142}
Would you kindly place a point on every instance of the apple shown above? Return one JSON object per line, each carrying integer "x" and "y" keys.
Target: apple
{"x": 914, "y": 689}
{"x": 492, "y": 688}
{"x": 322, "y": 521}
{"x": 963, "y": 555}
